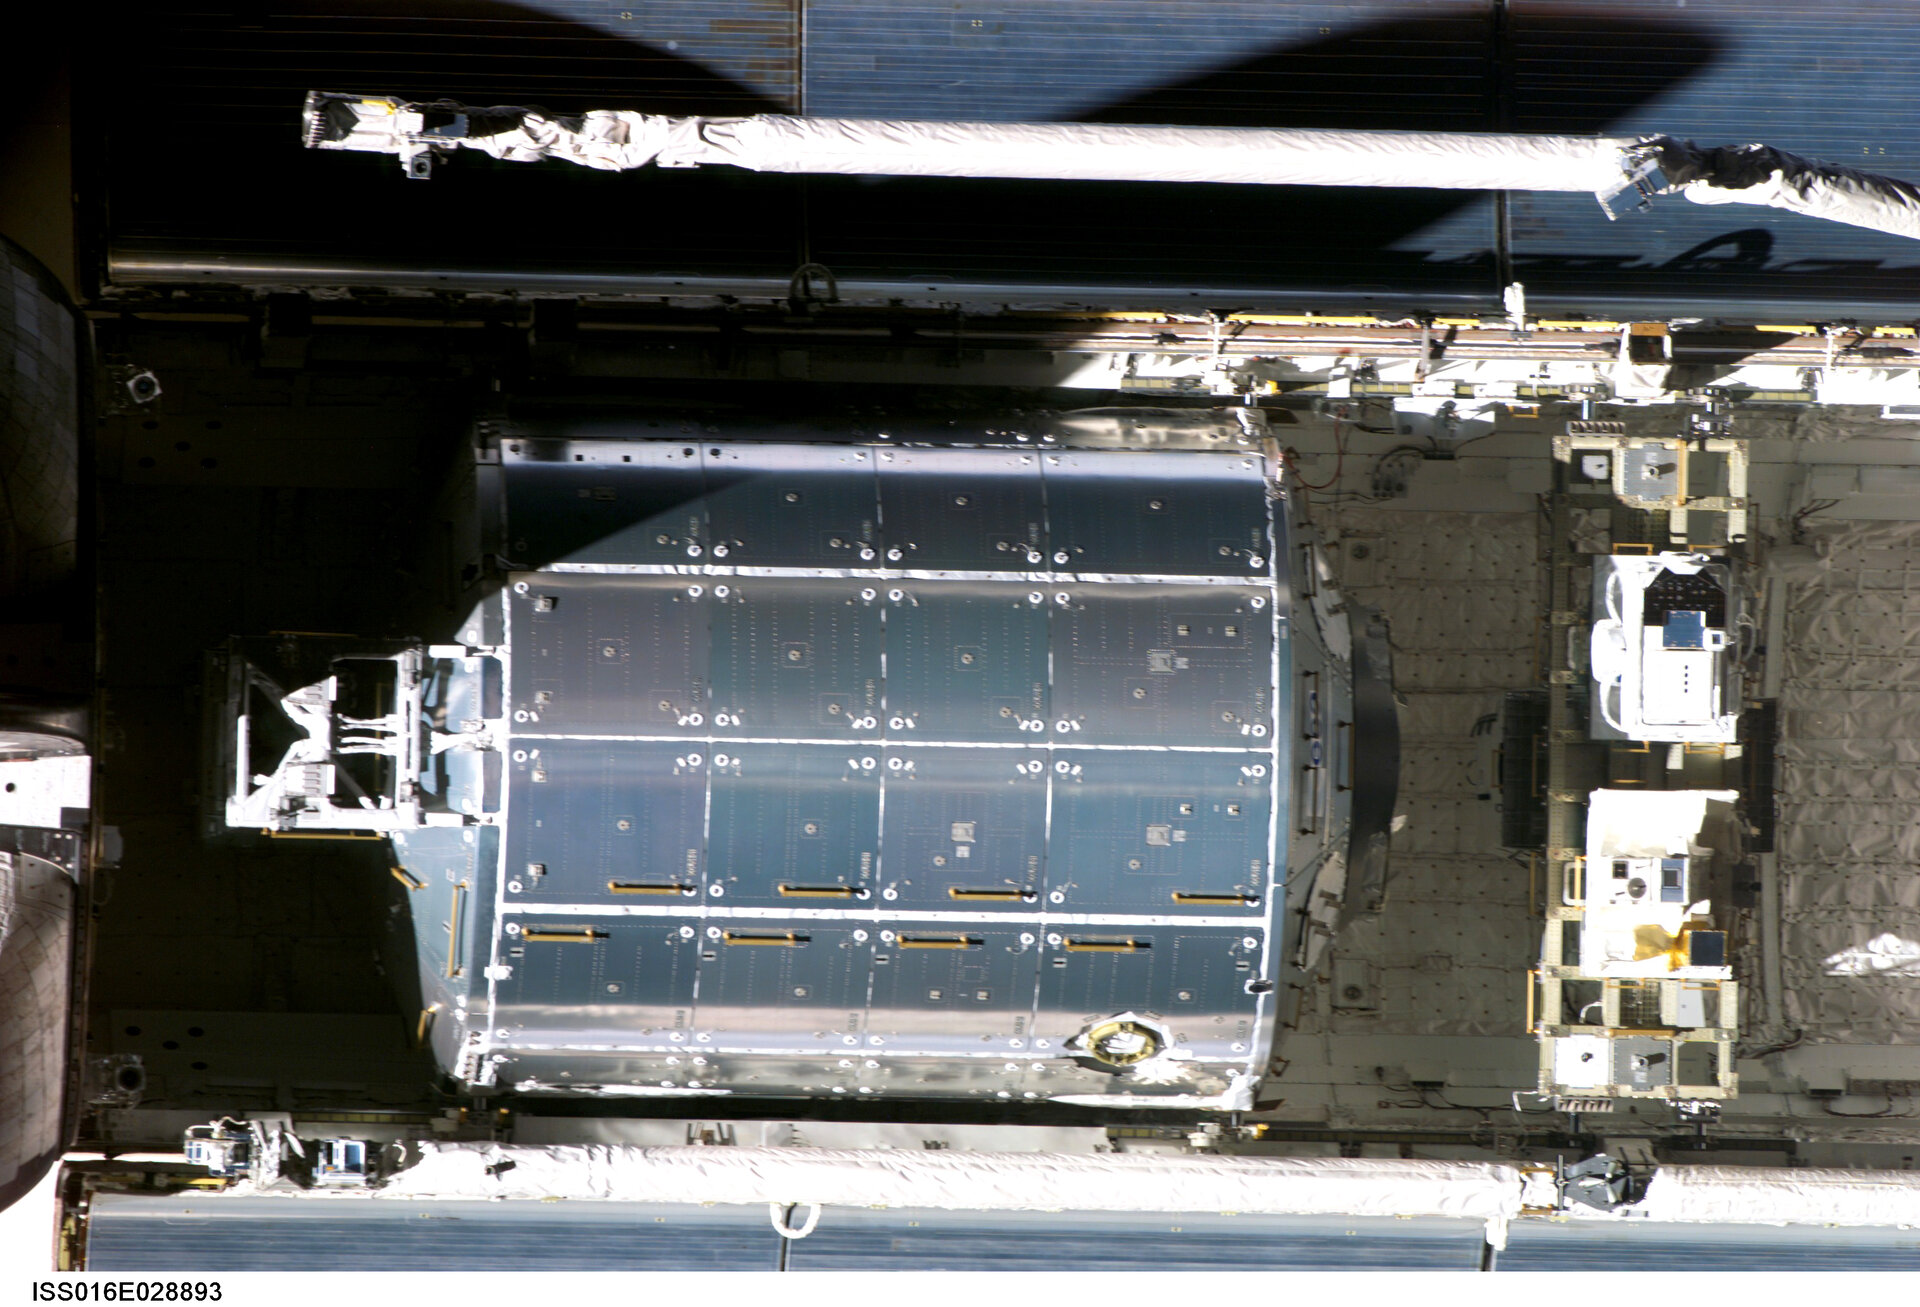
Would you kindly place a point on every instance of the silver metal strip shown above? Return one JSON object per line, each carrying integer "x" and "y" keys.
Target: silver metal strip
{"x": 503, "y": 850}
{"x": 166, "y": 266}
{"x": 880, "y": 817}
{"x": 1255, "y": 920}
{"x": 866, "y": 1051}
{"x": 1034, "y": 746}
{"x": 1279, "y": 787}
{"x": 706, "y": 819}
{"x": 1250, "y": 582}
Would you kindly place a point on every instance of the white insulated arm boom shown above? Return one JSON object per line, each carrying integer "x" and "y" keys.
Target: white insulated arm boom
{"x": 1604, "y": 166}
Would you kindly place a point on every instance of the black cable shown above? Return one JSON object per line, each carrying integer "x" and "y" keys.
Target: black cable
{"x": 1799, "y": 1038}
{"x": 1401, "y": 449}
{"x": 1374, "y": 401}
{"x": 1886, "y": 1111}
{"x": 1380, "y": 1074}
{"x": 1486, "y": 1113}
{"x": 1460, "y": 445}
{"x": 1798, "y": 526}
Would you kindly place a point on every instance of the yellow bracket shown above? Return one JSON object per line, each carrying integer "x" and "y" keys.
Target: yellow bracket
{"x": 940, "y": 941}
{"x": 787, "y": 940}
{"x": 554, "y": 935}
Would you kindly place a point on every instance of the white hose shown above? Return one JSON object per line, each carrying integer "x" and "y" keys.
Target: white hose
{"x": 1615, "y": 594}
{"x": 777, "y": 1214}
{"x": 1607, "y": 717}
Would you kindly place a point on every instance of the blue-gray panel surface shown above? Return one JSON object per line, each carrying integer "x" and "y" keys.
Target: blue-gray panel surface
{"x": 907, "y": 1239}
{"x": 799, "y": 816}
{"x": 753, "y": 43}
{"x": 1207, "y": 973}
{"x": 967, "y": 510}
{"x": 455, "y": 871}
{"x": 947, "y": 1000}
{"x": 792, "y": 506}
{"x": 128, "y": 1232}
{"x": 1132, "y": 830}
{"x": 1643, "y": 1246}
{"x": 610, "y": 656}
{"x": 633, "y": 978}
{"x": 1157, "y": 513}
{"x": 1162, "y": 665}
{"x": 966, "y": 829}
{"x": 794, "y": 658}
{"x": 760, "y": 994}
{"x": 612, "y": 821}
{"x": 1198, "y": 976}
{"x": 968, "y": 661}
{"x": 595, "y": 511}
{"x": 1069, "y": 59}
